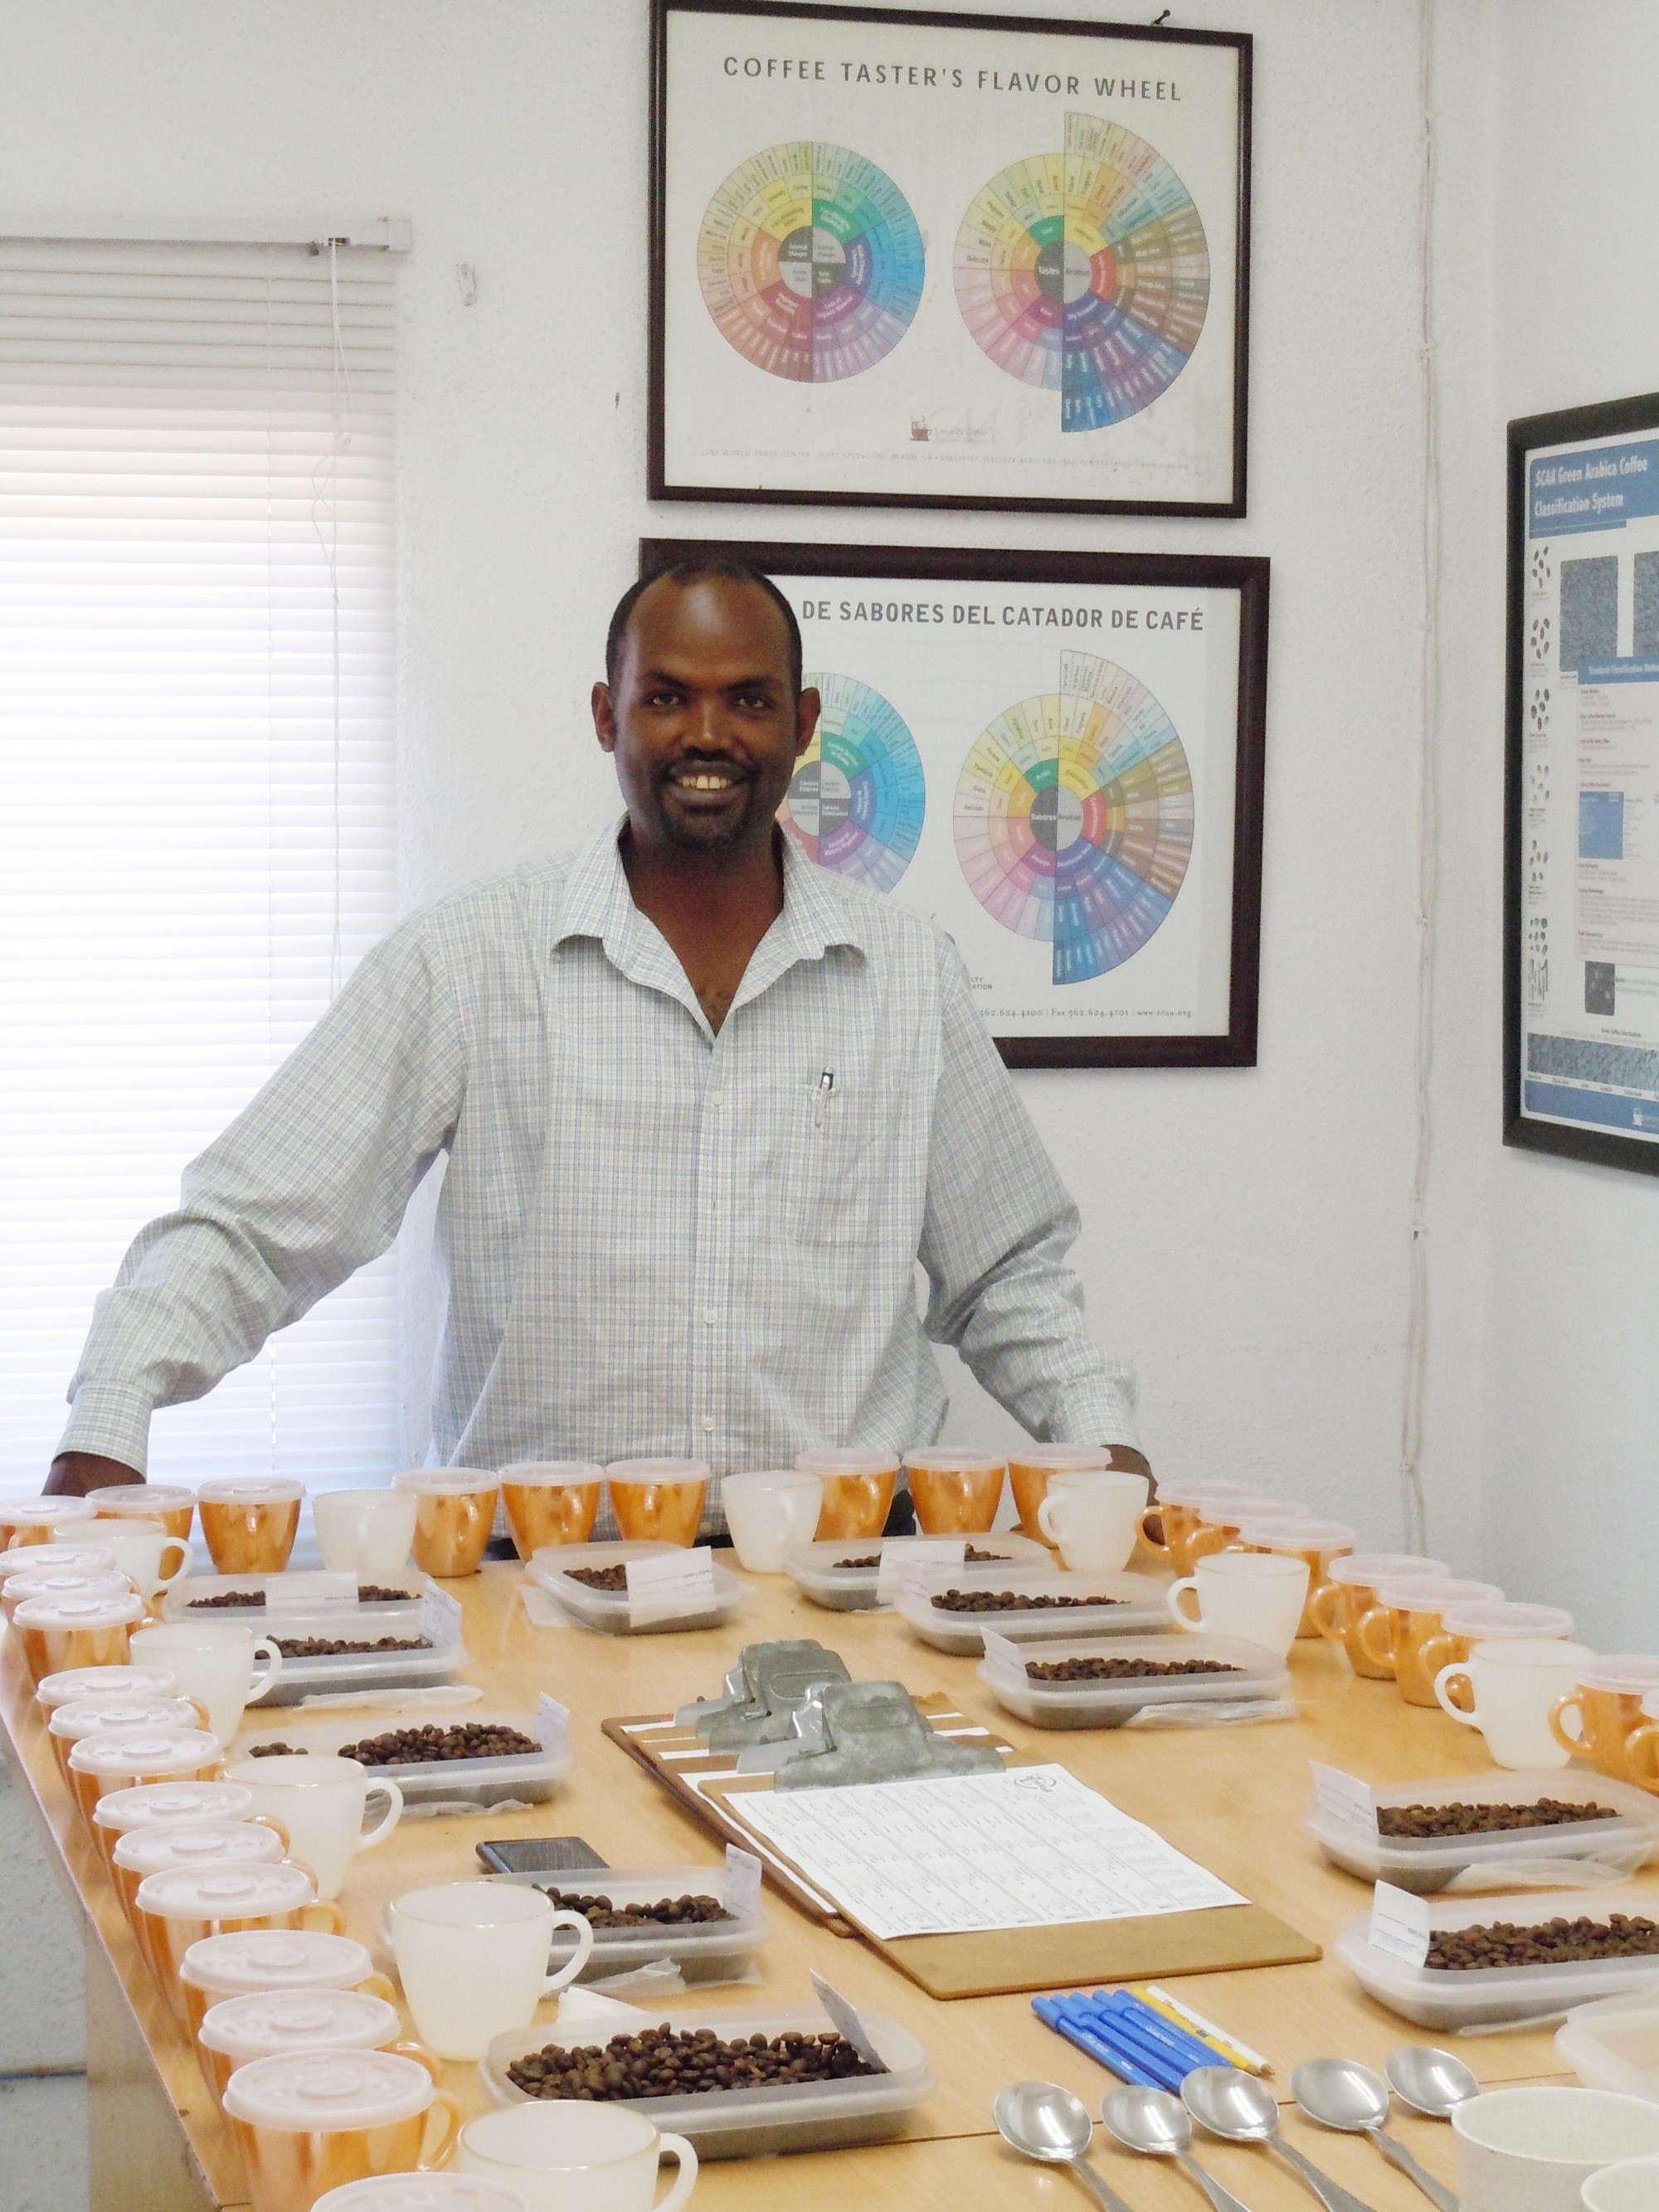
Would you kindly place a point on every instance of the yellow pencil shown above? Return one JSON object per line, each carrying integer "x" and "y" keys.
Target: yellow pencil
{"x": 1204, "y": 2031}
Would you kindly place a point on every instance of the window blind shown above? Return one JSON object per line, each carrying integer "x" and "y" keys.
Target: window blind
{"x": 197, "y": 786}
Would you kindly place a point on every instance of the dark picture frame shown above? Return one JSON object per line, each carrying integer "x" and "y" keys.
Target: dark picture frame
{"x": 772, "y": 473}
{"x": 1233, "y": 1041}
{"x": 1581, "y": 512}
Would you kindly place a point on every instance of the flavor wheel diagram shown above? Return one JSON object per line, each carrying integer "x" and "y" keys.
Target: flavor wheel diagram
{"x": 1074, "y": 817}
{"x": 1086, "y": 273}
{"x": 858, "y": 797}
{"x": 811, "y": 262}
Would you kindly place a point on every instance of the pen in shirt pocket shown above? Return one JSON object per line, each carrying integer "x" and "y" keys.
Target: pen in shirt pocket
{"x": 826, "y": 1085}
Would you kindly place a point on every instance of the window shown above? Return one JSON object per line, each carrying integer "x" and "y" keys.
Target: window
{"x": 197, "y": 786}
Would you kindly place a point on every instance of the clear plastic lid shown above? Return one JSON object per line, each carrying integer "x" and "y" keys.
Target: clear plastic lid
{"x": 274, "y": 1958}
{"x": 196, "y": 1843}
{"x": 1432, "y": 1593}
{"x": 89, "y": 1716}
{"x": 1365, "y": 1570}
{"x": 422, "y": 2192}
{"x": 160, "y": 1804}
{"x": 233, "y": 1893}
{"x": 846, "y": 1459}
{"x": 36, "y": 1512}
{"x": 120, "y": 1499}
{"x": 546, "y": 1474}
{"x": 1060, "y": 1459}
{"x": 657, "y": 1470}
{"x": 1488, "y": 1619}
{"x": 1293, "y": 1529}
{"x": 37, "y": 1559}
{"x": 65, "y": 1582}
{"x": 249, "y": 1489}
{"x": 92, "y": 1608}
{"x": 147, "y": 1751}
{"x": 450, "y": 1481}
{"x": 1632, "y": 1674}
{"x": 78, "y": 1684}
{"x": 260, "y": 2024}
{"x": 305, "y": 2092}
{"x": 949, "y": 1459}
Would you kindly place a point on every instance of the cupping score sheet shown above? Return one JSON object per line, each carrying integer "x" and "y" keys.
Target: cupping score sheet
{"x": 965, "y": 1854}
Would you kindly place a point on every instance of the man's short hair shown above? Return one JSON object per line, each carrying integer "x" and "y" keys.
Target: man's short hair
{"x": 690, "y": 569}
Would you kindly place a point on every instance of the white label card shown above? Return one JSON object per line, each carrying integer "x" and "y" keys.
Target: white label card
{"x": 305, "y": 1593}
{"x": 1400, "y": 1924}
{"x": 846, "y": 2018}
{"x": 668, "y": 1584}
{"x": 1004, "y": 1652}
{"x": 1345, "y": 1797}
{"x": 440, "y": 1619}
{"x": 552, "y": 1723}
{"x": 909, "y": 1555}
{"x": 743, "y": 1881}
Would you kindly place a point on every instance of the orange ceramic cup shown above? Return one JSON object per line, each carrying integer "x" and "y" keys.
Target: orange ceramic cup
{"x": 658, "y": 1501}
{"x": 238, "y": 2030}
{"x": 53, "y": 1634}
{"x": 172, "y": 1909}
{"x": 455, "y": 1513}
{"x": 99, "y": 1766}
{"x": 1607, "y": 1711}
{"x": 955, "y": 1493}
{"x": 1171, "y": 1521}
{"x": 1402, "y": 1633}
{"x": 1492, "y": 1620}
{"x": 1641, "y": 1747}
{"x": 249, "y": 1525}
{"x": 168, "y": 1503}
{"x": 306, "y": 2124}
{"x": 1348, "y": 1593}
{"x": 1029, "y": 1468}
{"x": 1317, "y": 1543}
{"x": 269, "y": 1960}
{"x": 858, "y": 1490}
{"x": 31, "y": 1520}
{"x": 550, "y": 1502}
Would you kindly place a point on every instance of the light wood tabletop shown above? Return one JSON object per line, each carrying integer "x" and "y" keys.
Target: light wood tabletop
{"x": 1232, "y": 1797}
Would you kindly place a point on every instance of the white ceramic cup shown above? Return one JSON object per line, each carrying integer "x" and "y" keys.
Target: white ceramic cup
{"x": 320, "y": 1802}
{"x": 1255, "y": 1595}
{"x": 1533, "y": 2149}
{"x": 365, "y": 1532}
{"x": 213, "y": 1661}
{"x": 577, "y": 2158}
{"x": 769, "y": 1512}
{"x": 151, "y": 1560}
{"x": 472, "y": 1958}
{"x": 1632, "y": 2185}
{"x": 1514, "y": 1687}
{"x": 1093, "y": 1518}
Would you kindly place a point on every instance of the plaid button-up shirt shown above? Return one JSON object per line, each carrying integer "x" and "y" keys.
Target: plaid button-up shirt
{"x": 653, "y": 1237}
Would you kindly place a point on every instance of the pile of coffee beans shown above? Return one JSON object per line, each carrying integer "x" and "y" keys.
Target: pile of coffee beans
{"x": 599, "y": 1578}
{"x": 1545, "y": 1944}
{"x": 421, "y": 1747}
{"x": 873, "y": 1560}
{"x": 973, "y": 1601}
{"x": 1120, "y": 1670}
{"x": 667, "y": 1911}
{"x": 666, "y": 2061}
{"x": 243, "y": 1601}
{"x": 1484, "y": 1820}
{"x": 332, "y": 1646}
{"x": 273, "y": 1751}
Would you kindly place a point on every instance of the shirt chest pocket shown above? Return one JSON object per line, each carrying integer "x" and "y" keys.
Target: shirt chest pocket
{"x": 832, "y": 1153}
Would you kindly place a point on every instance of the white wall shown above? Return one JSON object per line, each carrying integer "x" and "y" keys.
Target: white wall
{"x": 1245, "y": 1231}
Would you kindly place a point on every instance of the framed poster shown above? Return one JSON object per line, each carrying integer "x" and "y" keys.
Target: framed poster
{"x": 914, "y": 260}
{"x": 1581, "y": 860}
{"x": 1059, "y": 756}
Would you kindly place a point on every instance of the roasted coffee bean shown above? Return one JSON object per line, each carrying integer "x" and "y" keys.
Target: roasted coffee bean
{"x": 1544, "y": 1944}
{"x": 599, "y": 1578}
{"x": 1485, "y": 1820}
{"x": 973, "y": 1601}
{"x": 420, "y": 1747}
{"x": 873, "y": 1560}
{"x": 1120, "y": 1670}
{"x": 666, "y": 2061}
{"x": 378, "y": 1594}
{"x": 668, "y": 1912}
{"x": 272, "y": 1751}
{"x": 971, "y": 1556}
{"x": 368, "y": 1594}
{"x": 329, "y": 1647}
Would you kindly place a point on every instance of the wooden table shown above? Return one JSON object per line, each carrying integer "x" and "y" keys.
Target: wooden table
{"x": 1233, "y": 1798}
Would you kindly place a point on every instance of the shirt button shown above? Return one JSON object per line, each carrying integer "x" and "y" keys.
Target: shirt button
{"x": 709, "y": 1315}
{"x": 717, "y": 1098}
{"x": 708, "y": 1420}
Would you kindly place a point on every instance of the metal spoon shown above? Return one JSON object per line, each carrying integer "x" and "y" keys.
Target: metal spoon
{"x": 1430, "y": 2081}
{"x": 1046, "y": 2122}
{"x": 1153, "y": 2121}
{"x": 1239, "y": 2108}
{"x": 1339, "y": 2092}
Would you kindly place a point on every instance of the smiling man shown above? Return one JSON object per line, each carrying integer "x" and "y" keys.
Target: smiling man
{"x": 703, "y": 1107}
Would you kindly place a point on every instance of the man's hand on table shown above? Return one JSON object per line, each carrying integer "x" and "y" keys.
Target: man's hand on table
{"x": 74, "y": 1473}
{"x": 1132, "y": 1462}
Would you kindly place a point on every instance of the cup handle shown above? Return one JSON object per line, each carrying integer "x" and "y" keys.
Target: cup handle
{"x": 173, "y": 1543}
{"x": 272, "y": 1674}
{"x": 1322, "y": 1613}
{"x": 677, "y": 2148}
{"x": 1154, "y": 1512}
{"x": 379, "y": 1985}
{"x": 421, "y": 2057}
{"x": 1642, "y": 1756}
{"x": 394, "y": 1813}
{"x": 1574, "y": 1746}
{"x": 1046, "y": 1520}
{"x": 1435, "y": 1652}
{"x": 266, "y": 1821}
{"x": 330, "y": 1920}
{"x": 572, "y": 1966}
{"x": 1172, "y": 1598}
{"x": 1443, "y": 1682}
{"x": 1206, "y": 1541}
{"x": 1371, "y": 1625}
{"x": 444, "y": 2103}
{"x": 202, "y": 1723}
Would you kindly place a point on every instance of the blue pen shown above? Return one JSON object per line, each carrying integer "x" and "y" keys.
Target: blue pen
{"x": 1095, "y": 2046}
{"x": 1118, "y": 2035}
{"x": 1185, "y": 2048}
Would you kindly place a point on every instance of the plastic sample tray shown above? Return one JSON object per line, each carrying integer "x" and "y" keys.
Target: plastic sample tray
{"x": 1140, "y": 1607}
{"x": 1109, "y": 1704}
{"x": 1613, "y": 2044}
{"x": 378, "y": 1619}
{"x": 391, "y": 1671}
{"x": 704, "y": 1951}
{"x": 817, "y": 1573}
{"x": 610, "y": 1611}
{"x": 1425, "y": 1864}
{"x": 527, "y": 1776}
